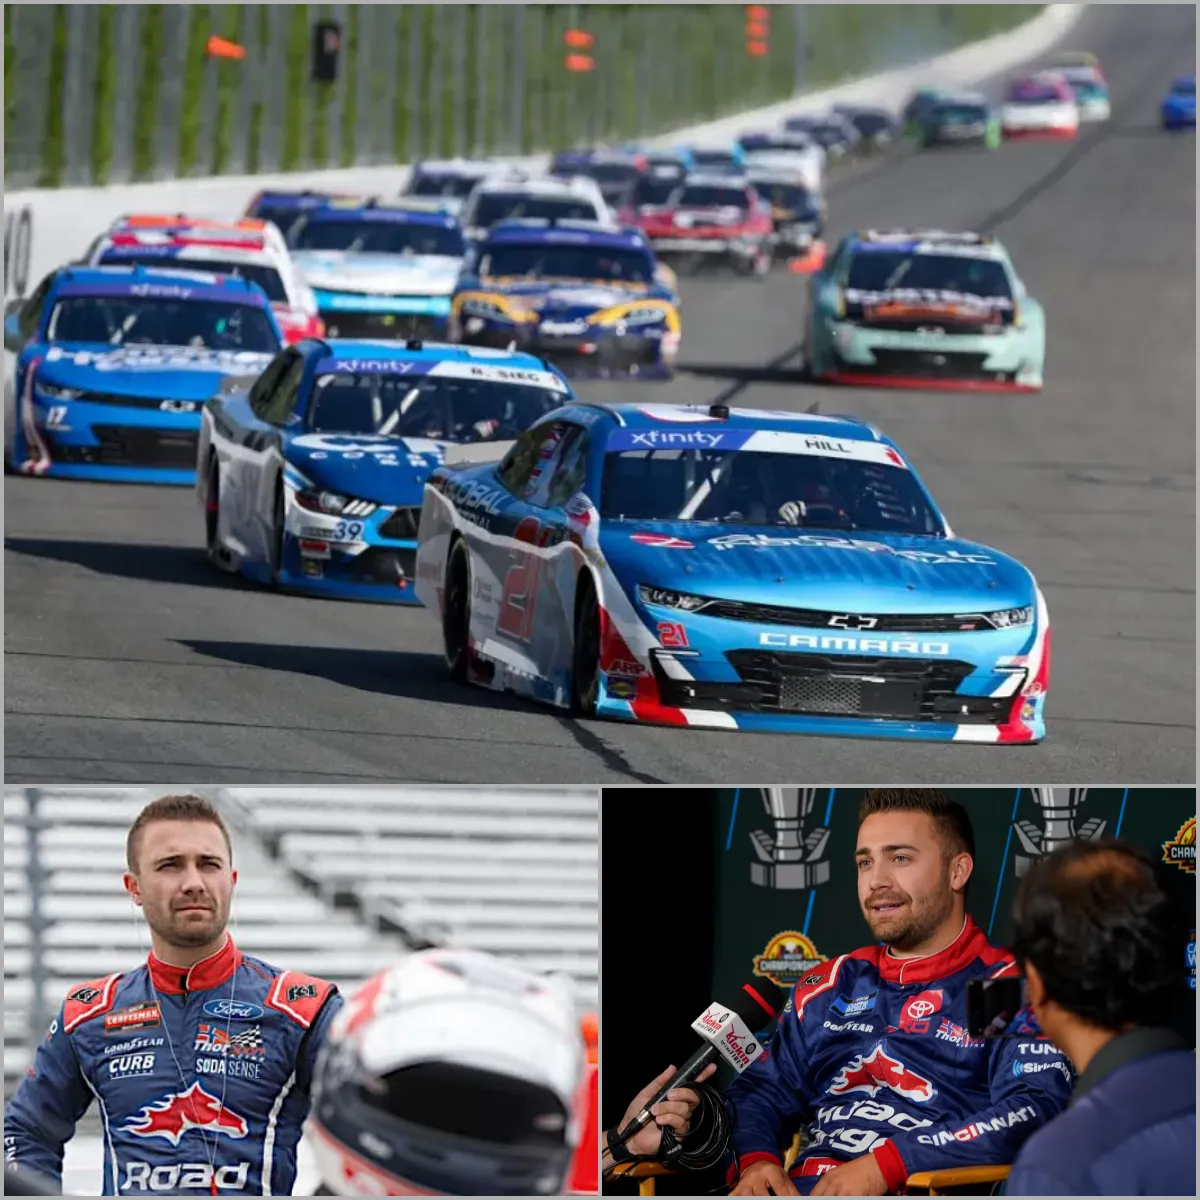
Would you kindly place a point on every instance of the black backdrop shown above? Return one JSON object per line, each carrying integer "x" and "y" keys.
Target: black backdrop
{"x": 682, "y": 914}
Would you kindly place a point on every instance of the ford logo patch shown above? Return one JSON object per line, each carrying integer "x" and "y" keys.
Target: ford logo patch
{"x": 233, "y": 1010}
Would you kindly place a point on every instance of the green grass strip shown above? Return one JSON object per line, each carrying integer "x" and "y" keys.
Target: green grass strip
{"x": 106, "y": 91}
{"x": 230, "y": 26}
{"x": 297, "y": 83}
{"x": 145, "y": 101}
{"x": 54, "y": 146}
{"x": 191, "y": 116}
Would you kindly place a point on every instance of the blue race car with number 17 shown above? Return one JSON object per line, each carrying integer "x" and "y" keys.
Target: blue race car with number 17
{"x": 113, "y": 365}
{"x": 312, "y": 478}
{"x": 730, "y": 569}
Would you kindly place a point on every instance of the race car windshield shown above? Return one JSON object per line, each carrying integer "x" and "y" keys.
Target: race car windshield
{"x": 381, "y": 237}
{"x": 960, "y": 114}
{"x": 440, "y": 407}
{"x": 829, "y": 134}
{"x": 154, "y": 321}
{"x": 456, "y": 186}
{"x": 542, "y": 261}
{"x": 703, "y": 196}
{"x": 742, "y": 487}
{"x": 267, "y": 277}
{"x": 789, "y": 196}
{"x": 885, "y": 270}
{"x": 1086, "y": 89}
{"x": 511, "y": 206}
{"x": 602, "y": 173}
{"x": 713, "y": 158}
{"x": 1034, "y": 93}
{"x": 287, "y": 217}
{"x": 869, "y": 123}
{"x": 1184, "y": 87}
{"x": 647, "y": 192}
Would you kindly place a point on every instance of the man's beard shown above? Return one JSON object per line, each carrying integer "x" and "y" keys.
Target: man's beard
{"x": 909, "y": 927}
{"x": 167, "y": 925}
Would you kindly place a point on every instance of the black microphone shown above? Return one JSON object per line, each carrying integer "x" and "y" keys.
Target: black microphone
{"x": 726, "y": 1029}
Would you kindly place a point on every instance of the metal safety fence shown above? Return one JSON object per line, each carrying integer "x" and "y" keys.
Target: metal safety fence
{"x": 111, "y": 93}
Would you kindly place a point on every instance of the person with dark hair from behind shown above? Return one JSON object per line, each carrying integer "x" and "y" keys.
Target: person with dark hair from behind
{"x": 1102, "y": 945}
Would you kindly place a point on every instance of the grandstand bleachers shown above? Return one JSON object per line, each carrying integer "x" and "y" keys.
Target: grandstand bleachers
{"x": 336, "y": 882}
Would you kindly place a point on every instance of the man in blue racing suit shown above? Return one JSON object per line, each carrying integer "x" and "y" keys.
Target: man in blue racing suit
{"x": 200, "y": 1060}
{"x": 872, "y": 1051}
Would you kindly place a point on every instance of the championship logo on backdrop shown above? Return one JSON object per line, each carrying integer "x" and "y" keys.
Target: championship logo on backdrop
{"x": 1191, "y": 962}
{"x": 788, "y": 859}
{"x": 787, "y": 959}
{"x": 1059, "y": 809}
{"x": 1181, "y": 851}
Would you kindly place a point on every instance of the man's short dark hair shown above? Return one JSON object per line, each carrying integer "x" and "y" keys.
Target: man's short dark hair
{"x": 1100, "y": 925}
{"x": 173, "y": 808}
{"x": 953, "y": 822}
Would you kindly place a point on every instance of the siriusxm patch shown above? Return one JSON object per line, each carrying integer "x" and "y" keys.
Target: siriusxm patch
{"x": 852, "y": 1006}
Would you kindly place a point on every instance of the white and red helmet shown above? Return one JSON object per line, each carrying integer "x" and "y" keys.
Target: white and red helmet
{"x": 452, "y": 1073}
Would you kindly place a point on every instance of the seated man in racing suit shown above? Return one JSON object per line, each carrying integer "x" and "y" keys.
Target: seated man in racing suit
{"x": 201, "y": 1060}
{"x": 872, "y": 1052}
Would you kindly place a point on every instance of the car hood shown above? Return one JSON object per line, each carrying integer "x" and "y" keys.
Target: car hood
{"x": 384, "y": 470}
{"x": 562, "y": 298}
{"x": 382, "y": 274}
{"x": 186, "y": 373}
{"x": 816, "y": 568}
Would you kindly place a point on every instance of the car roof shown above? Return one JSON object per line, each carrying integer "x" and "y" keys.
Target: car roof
{"x": 378, "y": 210}
{"x": 462, "y": 166}
{"x": 541, "y": 185}
{"x": 667, "y": 416}
{"x": 700, "y": 179}
{"x": 78, "y": 280}
{"x": 583, "y": 233}
{"x": 185, "y": 248}
{"x": 397, "y": 351}
{"x": 927, "y": 241}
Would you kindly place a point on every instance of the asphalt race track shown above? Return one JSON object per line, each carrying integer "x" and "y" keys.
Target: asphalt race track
{"x": 129, "y": 660}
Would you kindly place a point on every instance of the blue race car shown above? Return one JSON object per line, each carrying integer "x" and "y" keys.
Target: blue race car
{"x": 285, "y": 207}
{"x": 590, "y": 298}
{"x": 312, "y": 479}
{"x": 730, "y": 569}
{"x": 379, "y": 269}
{"x": 115, "y": 363}
{"x": 1179, "y": 104}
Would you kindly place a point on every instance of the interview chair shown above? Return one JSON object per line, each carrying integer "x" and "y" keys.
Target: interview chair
{"x": 922, "y": 1183}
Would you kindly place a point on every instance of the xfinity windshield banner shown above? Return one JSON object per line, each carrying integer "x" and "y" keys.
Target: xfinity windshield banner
{"x": 787, "y": 898}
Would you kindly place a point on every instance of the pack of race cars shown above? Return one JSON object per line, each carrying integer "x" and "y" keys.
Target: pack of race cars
{"x": 372, "y": 399}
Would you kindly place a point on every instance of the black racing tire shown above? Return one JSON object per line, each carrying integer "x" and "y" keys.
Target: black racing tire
{"x": 212, "y": 508}
{"x": 585, "y": 651}
{"x": 456, "y": 612}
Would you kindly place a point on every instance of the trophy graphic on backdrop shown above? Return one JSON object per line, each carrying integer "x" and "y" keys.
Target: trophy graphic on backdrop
{"x": 1060, "y": 808}
{"x": 788, "y": 859}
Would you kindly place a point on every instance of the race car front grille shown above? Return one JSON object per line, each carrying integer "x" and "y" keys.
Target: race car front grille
{"x": 384, "y": 565}
{"x": 402, "y": 525}
{"x": 160, "y": 403}
{"x": 934, "y": 364}
{"x": 127, "y": 446}
{"x": 839, "y": 685}
{"x": 811, "y": 618}
{"x": 381, "y": 325}
{"x": 929, "y": 325}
